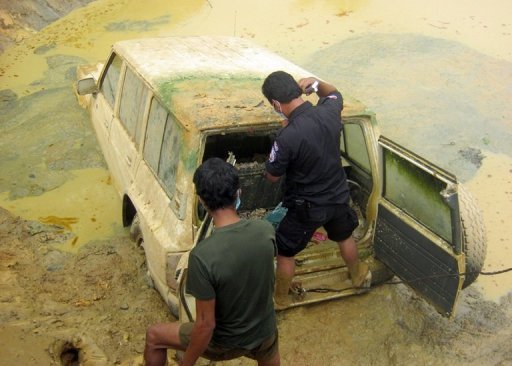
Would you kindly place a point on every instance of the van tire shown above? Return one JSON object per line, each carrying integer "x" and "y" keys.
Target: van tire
{"x": 135, "y": 231}
{"x": 474, "y": 239}
{"x": 137, "y": 237}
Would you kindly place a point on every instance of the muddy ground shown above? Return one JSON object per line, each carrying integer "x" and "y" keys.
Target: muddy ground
{"x": 97, "y": 301}
{"x": 94, "y": 307}
{"x": 92, "y": 301}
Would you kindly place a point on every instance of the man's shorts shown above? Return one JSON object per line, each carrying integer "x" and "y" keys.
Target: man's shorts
{"x": 293, "y": 234}
{"x": 264, "y": 352}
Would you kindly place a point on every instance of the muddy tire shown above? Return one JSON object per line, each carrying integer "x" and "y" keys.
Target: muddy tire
{"x": 474, "y": 240}
{"x": 137, "y": 237}
{"x": 135, "y": 231}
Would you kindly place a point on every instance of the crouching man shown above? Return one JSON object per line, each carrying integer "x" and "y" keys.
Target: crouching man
{"x": 231, "y": 276}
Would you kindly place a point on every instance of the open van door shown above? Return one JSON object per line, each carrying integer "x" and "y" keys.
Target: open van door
{"x": 418, "y": 229}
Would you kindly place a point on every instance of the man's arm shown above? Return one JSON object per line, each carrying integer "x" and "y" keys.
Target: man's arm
{"x": 271, "y": 178}
{"x": 277, "y": 162}
{"x": 323, "y": 88}
{"x": 201, "y": 332}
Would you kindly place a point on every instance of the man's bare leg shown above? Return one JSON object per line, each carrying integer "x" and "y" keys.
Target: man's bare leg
{"x": 286, "y": 265}
{"x": 358, "y": 271}
{"x": 159, "y": 338}
{"x": 284, "y": 275}
{"x": 274, "y": 361}
{"x": 348, "y": 250}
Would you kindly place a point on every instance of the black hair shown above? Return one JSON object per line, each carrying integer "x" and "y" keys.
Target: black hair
{"x": 280, "y": 86}
{"x": 216, "y": 183}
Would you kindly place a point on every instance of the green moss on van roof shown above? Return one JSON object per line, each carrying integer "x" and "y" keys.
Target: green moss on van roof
{"x": 206, "y": 101}
{"x": 202, "y": 83}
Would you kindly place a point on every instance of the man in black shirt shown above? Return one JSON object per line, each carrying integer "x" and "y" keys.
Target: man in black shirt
{"x": 307, "y": 152}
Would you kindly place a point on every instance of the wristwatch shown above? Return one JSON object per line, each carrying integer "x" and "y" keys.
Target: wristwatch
{"x": 314, "y": 86}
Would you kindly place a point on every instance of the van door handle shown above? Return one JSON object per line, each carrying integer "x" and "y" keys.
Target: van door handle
{"x": 128, "y": 160}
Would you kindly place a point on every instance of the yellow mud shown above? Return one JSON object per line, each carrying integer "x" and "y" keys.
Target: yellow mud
{"x": 359, "y": 330}
{"x": 83, "y": 33}
{"x": 87, "y": 205}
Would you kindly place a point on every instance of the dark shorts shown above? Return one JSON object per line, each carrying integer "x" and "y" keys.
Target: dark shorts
{"x": 264, "y": 352}
{"x": 294, "y": 233}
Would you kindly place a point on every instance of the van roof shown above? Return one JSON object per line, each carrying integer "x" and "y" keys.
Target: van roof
{"x": 208, "y": 82}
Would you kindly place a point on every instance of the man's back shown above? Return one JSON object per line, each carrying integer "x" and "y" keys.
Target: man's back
{"x": 308, "y": 151}
{"x": 235, "y": 265}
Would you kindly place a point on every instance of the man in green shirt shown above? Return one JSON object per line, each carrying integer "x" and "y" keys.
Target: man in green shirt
{"x": 231, "y": 276}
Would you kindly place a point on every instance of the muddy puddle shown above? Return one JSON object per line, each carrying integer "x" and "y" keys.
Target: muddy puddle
{"x": 86, "y": 205}
{"x": 438, "y": 77}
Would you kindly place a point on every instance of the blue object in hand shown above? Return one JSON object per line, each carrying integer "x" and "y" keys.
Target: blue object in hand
{"x": 276, "y": 215}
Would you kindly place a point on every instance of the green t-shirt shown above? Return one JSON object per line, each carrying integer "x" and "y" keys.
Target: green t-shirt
{"x": 235, "y": 266}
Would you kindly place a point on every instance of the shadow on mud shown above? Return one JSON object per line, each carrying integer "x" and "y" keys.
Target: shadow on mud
{"x": 438, "y": 98}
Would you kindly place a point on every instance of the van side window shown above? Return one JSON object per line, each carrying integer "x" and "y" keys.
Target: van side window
{"x": 111, "y": 79}
{"x": 154, "y": 134}
{"x": 353, "y": 144}
{"x": 169, "y": 156}
{"x": 162, "y": 146}
{"x": 133, "y": 98}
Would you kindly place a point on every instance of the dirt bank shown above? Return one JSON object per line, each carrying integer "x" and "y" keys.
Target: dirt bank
{"x": 49, "y": 297}
{"x": 20, "y": 19}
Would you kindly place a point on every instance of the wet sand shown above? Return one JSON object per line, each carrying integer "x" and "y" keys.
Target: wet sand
{"x": 312, "y": 34}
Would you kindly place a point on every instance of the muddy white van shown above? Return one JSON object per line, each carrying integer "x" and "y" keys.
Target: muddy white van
{"x": 161, "y": 106}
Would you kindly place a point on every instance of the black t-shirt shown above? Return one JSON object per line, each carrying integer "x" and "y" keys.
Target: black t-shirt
{"x": 307, "y": 150}
{"x": 235, "y": 266}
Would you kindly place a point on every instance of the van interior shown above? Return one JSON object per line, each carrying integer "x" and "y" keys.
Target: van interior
{"x": 251, "y": 150}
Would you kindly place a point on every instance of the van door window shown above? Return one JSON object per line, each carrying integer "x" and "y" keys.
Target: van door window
{"x": 169, "y": 155}
{"x": 356, "y": 162}
{"x": 353, "y": 144}
{"x": 111, "y": 79}
{"x": 417, "y": 192}
{"x": 154, "y": 135}
{"x": 131, "y": 108}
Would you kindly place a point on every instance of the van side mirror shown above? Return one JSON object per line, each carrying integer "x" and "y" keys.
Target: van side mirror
{"x": 86, "y": 86}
